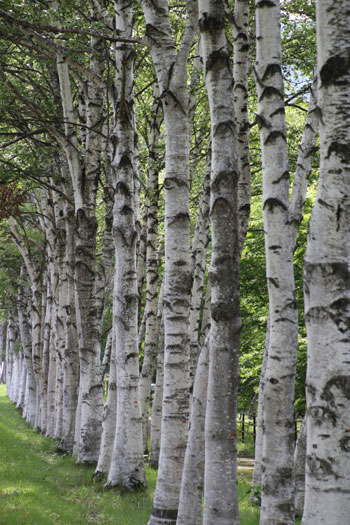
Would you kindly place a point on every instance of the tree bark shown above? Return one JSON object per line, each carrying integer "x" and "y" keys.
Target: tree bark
{"x": 191, "y": 495}
{"x": 326, "y": 281}
{"x": 171, "y": 70}
{"x": 299, "y": 469}
{"x": 241, "y": 68}
{"x": 150, "y": 346}
{"x": 220, "y": 480}
{"x": 277, "y": 504}
{"x": 127, "y": 464}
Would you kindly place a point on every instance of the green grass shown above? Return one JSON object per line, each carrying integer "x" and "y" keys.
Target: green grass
{"x": 39, "y": 486}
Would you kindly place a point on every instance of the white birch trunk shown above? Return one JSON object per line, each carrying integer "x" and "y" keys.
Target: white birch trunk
{"x": 35, "y": 276}
{"x": 278, "y": 442}
{"x": 296, "y": 208}
{"x": 47, "y": 342}
{"x": 198, "y": 264}
{"x": 71, "y": 358}
{"x": 25, "y": 332}
{"x": 303, "y": 168}
{"x": 15, "y": 378}
{"x": 59, "y": 394}
{"x": 10, "y": 339}
{"x": 259, "y": 441}
{"x": 109, "y": 418}
{"x": 127, "y": 465}
{"x": 299, "y": 469}
{"x": 51, "y": 388}
{"x": 241, "y": 68}
{"x": 3, "y": 329}
{"x": 191, "y": 495}
{"x": 156, "y": 418}
{"x": 84, "y": 177}
{"x": 22, "y": 385}
{"x": 171, "y": 70}
{"x": 220, "y": 479}
{"x": 326, "y": 282}
{"x": 150, "y": 346}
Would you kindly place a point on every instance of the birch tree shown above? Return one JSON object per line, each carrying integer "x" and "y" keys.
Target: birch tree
{"x": 296, "y": 211}
{"x": 326, "y": 281}
{"x": 171, "y": 70}
{"x": 151, "y": 332}
{"x": 278, "y": 441}
{"x": 220, "y": 482}
{"x": 127, "y": 465}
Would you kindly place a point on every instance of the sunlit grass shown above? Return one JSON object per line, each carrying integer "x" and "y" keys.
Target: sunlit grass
{"x": 39, "y": 486}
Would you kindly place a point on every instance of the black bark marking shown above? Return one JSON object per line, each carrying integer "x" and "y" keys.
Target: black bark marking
{"x": 345, "y": 443}
{"x": 183, "y": 217}
{"x": 221, "y": 311}
{"x": 274, "y": 381}
{"x": 153, "y": 29}
{"x": 217, "y": 58}
{"x": 122, "y": 188}
{"x": 245, "y": 208}
{"x": 273, "y": 281}
{"x": 270, "y": 71}
{"x": 222, "y": 203}
{"x": 279, "y": 111}
{"x": 262, "y": 121}
{"x": 224, "y": 126}
{"x": 85, "y": 224}
{"x": 340, "y": 313}
{"x": 223, "y": 179}
{"x": 272, "y": 203}
{"x": 342, "y": 383}
{"x": 169, "y": 182}
{"x": 336, "y": 67}
{"x": 180, "y": 263}
{"x": 341, "y": 150}
{"x": 286, "y": 507}
{"x": 169, "y": 93}
{"x": 274, "y": 136}
{"x": 311, "y": 390}
{"x": 126, "y": 210}
{"x": 320, "y": 414}
{"x": 265, "y": 3}
{"x": 339, "y": 210}
{"x": 131, "y": 355}
{"x": 211, "y": 23}
{"x": 319, "y": 467}
{"x": 124, "y": 161}
{"x": 270, "y": 91}
{"x": 284, "y": 176}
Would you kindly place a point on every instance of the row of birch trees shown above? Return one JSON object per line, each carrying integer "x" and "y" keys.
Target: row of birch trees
{"x": 128, "y": 172}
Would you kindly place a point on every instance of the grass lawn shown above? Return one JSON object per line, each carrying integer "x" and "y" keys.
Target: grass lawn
{"x": 39, "y": 486}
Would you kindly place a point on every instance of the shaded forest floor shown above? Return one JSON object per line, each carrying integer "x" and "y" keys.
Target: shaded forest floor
{"x": 39, "y": 486}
